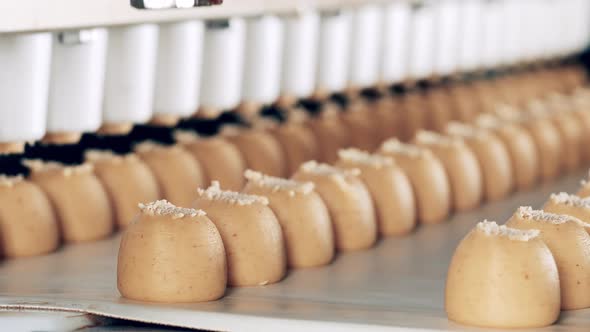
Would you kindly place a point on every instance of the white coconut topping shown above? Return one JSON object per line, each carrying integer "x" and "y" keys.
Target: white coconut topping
{"x": 313, "y": 167}
{"x": 292, "y": 187}
{"x": 527, "y": 213}
{"x": 185, "y": 136}
{"x": 165, "y": 208}
{"x": 491, "y": 228}
{"x": 570, "y": 200}
{"x": 364, "y": 158}
{"x": 215, "y": 193}
{"x": 38, "y": 166}
{"x": 464, "y": 130}
{"x": 433, "y": 138}
{"x": 508, "y": 112}
{"x": 393, "y": 145}
{"x": 488, "y": 121}
{"x": 536, "y": 108}
{"x": 10, "y": 181}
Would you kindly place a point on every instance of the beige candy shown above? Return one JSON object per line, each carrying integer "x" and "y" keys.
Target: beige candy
{"x": 362, "y": 126}
{"x": 583, "y": 116}
{"x": 348, "y": 201}
{"x": 501, "y": 277}
{"x": 304, "y": 218}
{"x": 464, "y": 102}
{"x": 428, "y": 177}
{"x": 461, "y": 165}
{"x": 390, "y": 188}
{"x": 387, "y": 112}
{"x": 413, "y": 115}
{"x": 388, "y": 117}
{"x": 12, "y": 147}
{"x": 571, "y": 132}
{"x": 251, "y": 235}
{"x": 568, "y": 240}
{"x": 298, "y": 142}
{"x": 80, "y": 201}
{"x": 521, "y": 148}
{"x": 571, "y": 205}
{"x": 548, "y": 142}
{"x": 178, "y": 173}
{"x": 127, "y": 180}
{"x": 493, "y": 158}
{"x": 331, "y": 133}
{"x": 171, "y": 254}
{"x": 221, "y": 160}
{"x": 439, "y": 108}
{"x": 28, "y": 226}
{"x": 262, "y": 151}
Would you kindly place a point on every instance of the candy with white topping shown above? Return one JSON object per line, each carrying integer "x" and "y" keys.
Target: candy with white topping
{"x": 251, "y": 234}
{"x": 390, "y": 189}
{"x": 428, "y": 177}
{"x": 349, "y": 203}
{"x": 28, "y": 226}
{"x": 171, "y": 254}
{"x": 304, "y": 218}
{"x": 568, "y": 240}
{"x": 501, "y": 277}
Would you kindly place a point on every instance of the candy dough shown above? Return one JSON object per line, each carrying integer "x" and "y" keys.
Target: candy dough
{"x": 494, "y": 159}
{"x": 548, "y": 143}
{"x": 298, "y": 142}
{"x": 178, "y": 173}
{"x": 439, "y": 108}
{"x": 80, "y": 202}
{"x": 501, "y": 277}
{"x": 251, "y": 235}
{"x": 571, "y": 133}
{"x": 568, "y": 240}
{"x": 348, "y": 201}
{"x": 171, "y": 254}
{"x": 262, "y": 152}
{"x": 571, "y": 205}
{"x": 390, "y": 189}
{"x": 413, "y": 114}
{"x": 461, "y": 165}
{"x": 583, "y": 116}
{"x": 428, "y": 177}
{"x": 362, "y": 126}
{"x": 521, "y": 148}
{"x": 331, "y": 133}
{"x": 304, "y": 218}
{"x": 127, "y": 180}
{"x": 221, "y": 160}
{"x": 28, "y": 226}
{"x": 387, "y": 116}
{"x": 464, "y": 102}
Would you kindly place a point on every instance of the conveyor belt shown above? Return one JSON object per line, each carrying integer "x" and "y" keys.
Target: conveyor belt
{"x": 399, "y": 284}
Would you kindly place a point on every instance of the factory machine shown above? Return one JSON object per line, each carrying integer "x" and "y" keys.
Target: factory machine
{"x": 80, "y": 75}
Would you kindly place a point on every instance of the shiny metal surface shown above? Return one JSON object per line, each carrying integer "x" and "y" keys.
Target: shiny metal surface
{"x": 43, "y": 15}
{"x": 168, "y": 4}
{"x": 398, "y": 285}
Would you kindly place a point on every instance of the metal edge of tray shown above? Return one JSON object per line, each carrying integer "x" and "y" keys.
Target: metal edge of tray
{"x": 43, "y": 15}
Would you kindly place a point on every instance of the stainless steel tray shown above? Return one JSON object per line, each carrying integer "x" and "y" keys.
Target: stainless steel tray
{"x": 398, "y": 285}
